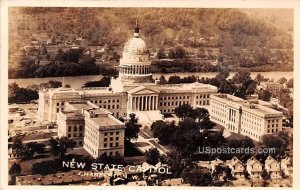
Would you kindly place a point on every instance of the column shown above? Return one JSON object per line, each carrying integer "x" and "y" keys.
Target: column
{"x": 152, "y": 105}
{"x": 155, "y": 102}
{"x": 146, "y": 105}
{"x": 142, "y": 103}
{"x": 133, "y": 103}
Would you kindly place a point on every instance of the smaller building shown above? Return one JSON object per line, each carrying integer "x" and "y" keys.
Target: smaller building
{"x": 104, "y": 134}
{"x": 271, "y": 86}
{"x": 252, "y": 118}
{"x": 272, "y": 166}
{"x": 254, "y": 167}
{"x": 174, "y": 182}
{"x": 70, "y": 122}
{"x": 137, "y": 183}
{"x": 286, "y": 166}
{"x": 237, "y": 168}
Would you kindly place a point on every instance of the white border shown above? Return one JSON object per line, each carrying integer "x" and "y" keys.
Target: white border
{"x": 294, "y": 4}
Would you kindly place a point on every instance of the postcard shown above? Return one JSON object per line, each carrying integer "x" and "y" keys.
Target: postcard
{"x": 122, "y": 94}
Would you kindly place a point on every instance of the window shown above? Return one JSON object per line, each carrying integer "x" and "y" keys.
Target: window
{"x": 111, "y": 139}
{"x": 70, "y": 128}
{"x": 105, "y": 134}
{"x": 105, "y": 139}
{"x": 57, "y": 103}
{"x": 80, "y": 134}
{"x": 117, "y": 138}
{"x": 117, "y": 144}
{"x": 69, "y": 135}
{"x": 111, "y": 144}
{"x": 57, "y": 110}
{"x": 111, "y": 133}
{"x": 105, "y": 145}
{"x": 117, "y": 106}
{"x": 110, "y": 153}
{"x": 75, "y": 128}
{"x": 81, "y": 128}
{"x": 117, "y": 133}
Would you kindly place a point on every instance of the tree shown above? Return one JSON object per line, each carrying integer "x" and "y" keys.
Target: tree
{"x": 162, "y": 80}
{"x": 174, "y": 79}
{"x": 197, "y": 176}
{"x": 227, "y": 87}
{"x": 290, "y": 83}
{"x": 183, "y": 111}
{"x": 199, "y": 113}
{"x": 17, "y": 144}
{"x": 21, "y": 95}
{"x": 163, "y": 131}
{"x": 51, "y": 84}
{"x": 259, "y": 78}
{"x": 104, "y": 82}
{"x": 60, "y": 145}
{"x": 33, "y": 147}
{"x": 245, "y": 84}
{"x": 205, "y": 123}
{"x": 186, "y": 137}
{"x": 180, "y": 52}
{"x": 15, "y": 169}
{"x": 277, "y": 141}
{"x": 171, "y": 54}
{"x": 131, "y": 128}
{"x": 152, "y": 156}
{"x": 264, "y": 95}
{"x": 160, "y": 53}
{"x": 282, "y": 80}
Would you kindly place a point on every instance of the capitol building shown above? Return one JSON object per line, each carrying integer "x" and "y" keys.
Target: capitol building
{"x": 134, "y": 91}
{"x": 90, "y": 116}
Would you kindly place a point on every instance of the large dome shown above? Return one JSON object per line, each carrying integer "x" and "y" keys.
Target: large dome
{"x": 135, "y": 46}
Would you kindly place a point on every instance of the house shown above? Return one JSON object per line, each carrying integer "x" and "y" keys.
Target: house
{"x": 118, "y": 181}
{"x": 286, "y": 166}
{"x": 205, "y": 164}
{"x": 218, "y": 169}
{"x": 272, "y": 166}
{"x": 215, "y": 163}
{"x": 137, "y": 183}
{"x": 237, "y": 167}
{"x": 174, "y": 182}
{"x": 254, "y": 167}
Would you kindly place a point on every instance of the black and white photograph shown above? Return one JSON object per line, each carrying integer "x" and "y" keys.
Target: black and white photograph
{"x": 149, "y": 96}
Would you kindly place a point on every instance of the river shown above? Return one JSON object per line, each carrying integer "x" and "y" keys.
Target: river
{"x": 78, "y": 81}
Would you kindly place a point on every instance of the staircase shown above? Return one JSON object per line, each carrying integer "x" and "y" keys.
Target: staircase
{"x": 148, "y": 117}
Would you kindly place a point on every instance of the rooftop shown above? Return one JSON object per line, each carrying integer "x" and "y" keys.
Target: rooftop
{"x": 81, "y": 105}
{"x": 58, "y": 178}
{"x": 259, "y": 107}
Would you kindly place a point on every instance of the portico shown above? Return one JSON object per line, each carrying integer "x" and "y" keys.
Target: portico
{"x": 142, "y": 99}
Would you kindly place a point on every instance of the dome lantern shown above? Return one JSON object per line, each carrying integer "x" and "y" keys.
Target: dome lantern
{"x": 136, "y": 29}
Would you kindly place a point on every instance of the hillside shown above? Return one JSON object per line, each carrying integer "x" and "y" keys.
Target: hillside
{"x": 244, "y": 37}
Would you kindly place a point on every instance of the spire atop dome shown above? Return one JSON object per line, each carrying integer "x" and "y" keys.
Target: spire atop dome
{"x": 136, "y": 29}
